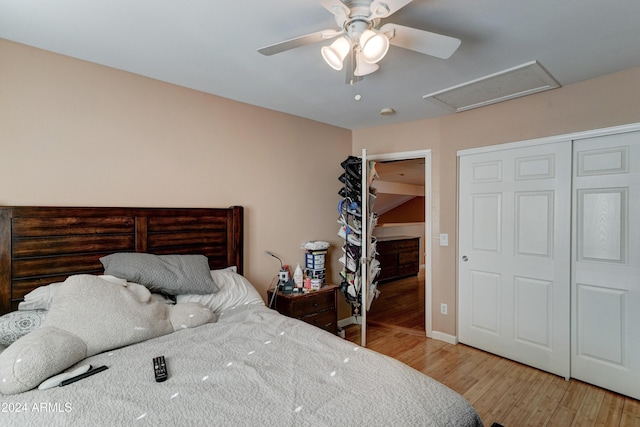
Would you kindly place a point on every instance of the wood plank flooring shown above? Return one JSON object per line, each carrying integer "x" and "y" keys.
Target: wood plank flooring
{"x": 501, "y": 390}
{"x": 400, "y": 305}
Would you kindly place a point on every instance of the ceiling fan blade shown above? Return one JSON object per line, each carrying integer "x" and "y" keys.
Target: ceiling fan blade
{"x": 421, "y": 41}
{"x": 384, "y": 8}
{"x": 335, "y": 6}
{"x": 299, "y": 41}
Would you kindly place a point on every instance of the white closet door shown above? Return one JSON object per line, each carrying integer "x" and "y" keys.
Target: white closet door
{"x": 514, "y": 249}
{"x": 606, "y": 268}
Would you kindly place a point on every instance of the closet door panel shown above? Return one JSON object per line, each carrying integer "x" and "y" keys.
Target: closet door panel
{"x": 534, "y": 224}
{"x": 601, "y": 330}
{"x": 514, "y": 245}
{"x": 533, "y": 311}
{"x": 486, "y": 214}
{"x": 485, "y": 304}
{"x": 606, "y": 267}
{"x": 602, "y": 216}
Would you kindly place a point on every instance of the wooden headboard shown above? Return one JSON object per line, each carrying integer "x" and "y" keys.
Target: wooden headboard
{"x": 42, "y": 245}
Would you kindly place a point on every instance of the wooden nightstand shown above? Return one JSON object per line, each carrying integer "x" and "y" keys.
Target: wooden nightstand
{"x": 318, "y": 308}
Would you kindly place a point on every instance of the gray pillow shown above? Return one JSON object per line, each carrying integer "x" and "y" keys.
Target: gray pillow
{"x": 170, "y": 274}
{"x": 19, "y": 323}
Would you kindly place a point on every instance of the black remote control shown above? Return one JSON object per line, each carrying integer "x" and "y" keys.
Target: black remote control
{"x": 160, "y": 369}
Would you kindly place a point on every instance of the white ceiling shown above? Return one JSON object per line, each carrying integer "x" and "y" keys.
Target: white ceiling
{"x": 409, "y": 173}
{"x": 210, "y": 46}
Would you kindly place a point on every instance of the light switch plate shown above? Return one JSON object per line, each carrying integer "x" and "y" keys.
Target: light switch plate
{"x": 444, "y": 240}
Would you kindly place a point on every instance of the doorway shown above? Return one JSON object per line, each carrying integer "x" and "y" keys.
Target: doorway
{"x": 400, "y": 233}
{"x": 404, "y": 205}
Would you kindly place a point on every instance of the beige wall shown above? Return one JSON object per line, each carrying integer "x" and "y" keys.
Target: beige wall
{"x": 80, "y": 134}
{"x": 603, "y": 102}
{"x": 76, "y": 133}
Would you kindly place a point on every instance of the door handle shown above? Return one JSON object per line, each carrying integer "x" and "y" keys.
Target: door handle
{"x": 464, "y": 258}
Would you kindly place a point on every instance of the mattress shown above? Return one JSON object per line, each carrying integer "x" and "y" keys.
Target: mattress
{"x": 252, "y": 367}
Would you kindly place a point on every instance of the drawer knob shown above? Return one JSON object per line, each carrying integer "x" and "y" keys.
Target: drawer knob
{"x": 315, "y": 304}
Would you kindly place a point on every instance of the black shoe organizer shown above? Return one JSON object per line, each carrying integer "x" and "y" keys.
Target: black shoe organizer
{"x": 352, "y": 213}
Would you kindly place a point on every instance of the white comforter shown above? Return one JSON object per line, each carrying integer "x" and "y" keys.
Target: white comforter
{"x": 253, "y": 367}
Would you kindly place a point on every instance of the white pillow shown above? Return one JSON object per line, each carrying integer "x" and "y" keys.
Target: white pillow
{"x": 235, "y": 290}
{"x": 40, "y": 298}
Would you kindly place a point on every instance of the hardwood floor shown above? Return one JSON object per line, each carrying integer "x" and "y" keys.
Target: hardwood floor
{"x": 400, "y": 305}
{"x": 501, "y": 390}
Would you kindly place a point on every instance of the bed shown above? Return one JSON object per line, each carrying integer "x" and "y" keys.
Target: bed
{"x": 247, "y": 366}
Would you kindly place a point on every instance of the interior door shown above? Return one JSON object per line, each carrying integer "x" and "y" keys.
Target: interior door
{"x": 514, "y": 254}
{"x": 606, "y": 267}
{"x": 364, "y": 245}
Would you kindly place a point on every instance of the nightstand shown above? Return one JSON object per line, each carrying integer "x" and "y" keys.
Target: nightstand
{"x": 318, "y": 308}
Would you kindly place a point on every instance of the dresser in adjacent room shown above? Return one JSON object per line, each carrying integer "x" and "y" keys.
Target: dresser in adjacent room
{"x": 399, "y": 257}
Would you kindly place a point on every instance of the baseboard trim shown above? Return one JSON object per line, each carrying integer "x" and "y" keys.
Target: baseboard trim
{"x": 451, "y": 339}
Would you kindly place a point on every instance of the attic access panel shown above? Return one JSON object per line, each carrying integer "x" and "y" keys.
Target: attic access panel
{"x": 515, "y": 82}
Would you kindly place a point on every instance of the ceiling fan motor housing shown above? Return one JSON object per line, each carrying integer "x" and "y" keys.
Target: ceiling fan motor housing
{"x": 355, "y": 28}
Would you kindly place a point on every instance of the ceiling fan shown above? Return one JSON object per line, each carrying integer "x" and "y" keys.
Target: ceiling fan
{"x": 363, "y": 42}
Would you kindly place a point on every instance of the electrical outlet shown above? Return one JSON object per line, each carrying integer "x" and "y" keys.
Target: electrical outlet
{"x": 443, "y": 308}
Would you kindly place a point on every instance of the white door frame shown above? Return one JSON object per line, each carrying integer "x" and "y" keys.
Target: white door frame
{"x": 428, "y": 244}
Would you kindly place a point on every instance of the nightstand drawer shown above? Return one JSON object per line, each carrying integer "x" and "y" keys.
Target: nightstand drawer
{"x": 324, "y": 320}
{"x": 312, "y": 304}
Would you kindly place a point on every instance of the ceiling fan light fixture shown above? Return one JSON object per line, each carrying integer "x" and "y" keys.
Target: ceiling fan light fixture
{"x": 335, "y": 53}
{"x": 374, "y": 46}
{"x": 363, "y": 67}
